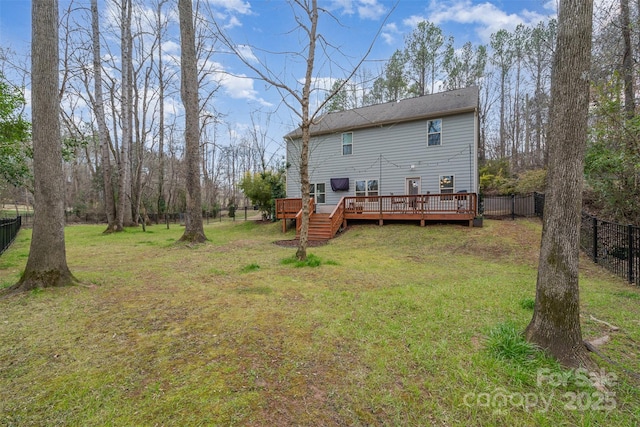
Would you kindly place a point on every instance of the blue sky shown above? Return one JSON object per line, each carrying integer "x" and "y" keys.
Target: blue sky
{"x": 267, "y": 25}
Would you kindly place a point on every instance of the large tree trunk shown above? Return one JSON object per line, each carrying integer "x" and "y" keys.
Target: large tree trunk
{"x": 627, "y": 60}
{"x": 161, "y": 83}
{"x": 194, "y": 231}
{"x": 301, "y": 253}
{"x": 123, "y": 208}
{"x": 103, "y": 131}
{"x": 555, "y": 326}
{"x": 47, "y": 263}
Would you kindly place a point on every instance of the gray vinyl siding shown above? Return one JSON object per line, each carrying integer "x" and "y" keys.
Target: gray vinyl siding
{"x": 387, "y": 153}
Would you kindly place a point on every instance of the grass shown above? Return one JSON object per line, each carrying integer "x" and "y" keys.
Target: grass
{"x": 311, "y": 261}
{"x": 9, "y": 211}
{"x": 394, "y": 325}
{"x": 506, "y": 342}
{"x": 528, "y": 303}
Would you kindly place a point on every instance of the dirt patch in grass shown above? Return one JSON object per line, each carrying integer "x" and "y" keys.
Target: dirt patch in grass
{"x": 293, "y": 243}
{"x": 505, "y": 240}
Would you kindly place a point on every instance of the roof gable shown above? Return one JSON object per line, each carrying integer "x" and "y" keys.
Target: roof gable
{"x": 421, "y": 107}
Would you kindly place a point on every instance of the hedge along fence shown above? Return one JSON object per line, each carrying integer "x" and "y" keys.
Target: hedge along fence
{"x": 614, "y": 246}
{"x": 9, "y": 228}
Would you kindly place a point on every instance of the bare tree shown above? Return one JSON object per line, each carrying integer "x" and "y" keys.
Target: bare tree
{"x": 503, "y": 59}
{"x": 194, "y": 231}
{"x": 160, "y": 26}
{"x": 123, "y": 208}
{"x": 539, "y": 51}
{"x": 518, "y": 41}
{"x": 257, "y": 134}
{"x": 627, "y": 59}
{"x": 47, "y": 263}
{"x": 103, "y": 131}
{"x": 306, "y": 15}
{"x": 555, "y": 326}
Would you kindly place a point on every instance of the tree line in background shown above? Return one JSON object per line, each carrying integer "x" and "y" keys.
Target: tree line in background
{"x": 513, "y": 73}
{"x": 127, "y": 157}
{"x": 118, "y": 138}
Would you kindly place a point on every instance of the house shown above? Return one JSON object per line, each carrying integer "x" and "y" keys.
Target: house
{"x": 389, "y": 159}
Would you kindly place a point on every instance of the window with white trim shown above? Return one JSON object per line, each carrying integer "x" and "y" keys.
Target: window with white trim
{"x": 317, "y": 191}
{"x": 367, "y": 187}
{"x": 347, "y": 143}
{"x": 447, "y": 184}
{"x": 434, "y": 132}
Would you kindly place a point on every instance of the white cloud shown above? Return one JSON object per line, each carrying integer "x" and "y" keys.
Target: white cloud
{"x": 227, "y": 10}
{"x": 370, "y": 9}
{"x": 345, "y": 5}
{"x": 321, "y": 83}
{"x": 173, "y": 106}
{"x": 237, "y": 6}
{"x": 390, "y": 33}
{"x": 388, "y": 38}
{"x": 247, "y": 53}
{"x": 414, "y": 20}
{"x": 551, "y": 6}
{"x": 486, "y": 17}
{"x": 233, "y": 22}
{"x": 241, "y": 87}
{"x": 170, "y": 47}
{"x": 366, "y": 9}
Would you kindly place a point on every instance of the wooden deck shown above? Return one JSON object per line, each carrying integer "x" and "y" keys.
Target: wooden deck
{"x": 421, "y": 208}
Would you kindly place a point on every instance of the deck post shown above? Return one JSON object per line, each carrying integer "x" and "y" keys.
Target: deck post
{"x": 284, "y": 225}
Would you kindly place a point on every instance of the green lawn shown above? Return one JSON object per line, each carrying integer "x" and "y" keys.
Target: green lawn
{"x": 398, "y": 325}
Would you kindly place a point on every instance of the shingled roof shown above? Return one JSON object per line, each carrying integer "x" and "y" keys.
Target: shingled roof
{"x": 421, "y": 107}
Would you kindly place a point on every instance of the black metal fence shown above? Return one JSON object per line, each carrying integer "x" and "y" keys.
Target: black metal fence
{"x": 241, "y": 213}
{"x": 9, "y": 227}
{"x": 614, "y": 246}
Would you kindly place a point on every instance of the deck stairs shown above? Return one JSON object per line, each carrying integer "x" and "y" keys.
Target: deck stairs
{"x": 319, "y": 227}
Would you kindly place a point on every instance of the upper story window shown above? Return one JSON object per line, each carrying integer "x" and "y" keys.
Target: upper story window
{"x": 434, "y": 132}
{"x": 347, "y": 143}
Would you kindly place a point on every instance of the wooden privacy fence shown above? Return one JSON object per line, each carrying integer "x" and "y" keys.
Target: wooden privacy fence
{"x": 9, "y": 228}
{"x": 513, "y": 206}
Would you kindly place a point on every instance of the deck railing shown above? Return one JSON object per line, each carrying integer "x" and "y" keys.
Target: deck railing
{"x": 418, "y": 207}
{"x": 420, "y": 204}
{"x": 288, "y": 208}
{"x": 337, "y": 217}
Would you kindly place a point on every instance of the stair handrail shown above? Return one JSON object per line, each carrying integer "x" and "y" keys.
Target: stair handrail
{"x": 337, "y": 217}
